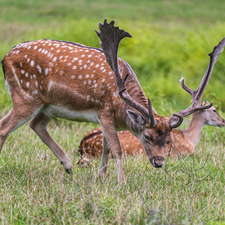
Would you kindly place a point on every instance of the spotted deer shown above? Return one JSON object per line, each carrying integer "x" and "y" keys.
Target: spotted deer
{"x": 50, "y": 79}
{"x": 183, "y": 140}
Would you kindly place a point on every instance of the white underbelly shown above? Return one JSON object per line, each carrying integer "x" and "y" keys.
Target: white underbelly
{"x": 89, "y": 115}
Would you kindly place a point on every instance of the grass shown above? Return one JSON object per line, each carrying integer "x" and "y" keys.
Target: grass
{"x": 170, "y": 39}
{"x": 35, "y": 189}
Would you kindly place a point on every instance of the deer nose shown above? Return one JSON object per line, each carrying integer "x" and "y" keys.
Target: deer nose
{"x": 158, "y": 162}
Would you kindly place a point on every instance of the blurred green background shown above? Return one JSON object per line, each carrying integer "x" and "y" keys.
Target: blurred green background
{"x": 171, "y": 39}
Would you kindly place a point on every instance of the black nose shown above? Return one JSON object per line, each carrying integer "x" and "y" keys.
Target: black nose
{"x": 158, "y": 162}
{"x": 157, "y": 165}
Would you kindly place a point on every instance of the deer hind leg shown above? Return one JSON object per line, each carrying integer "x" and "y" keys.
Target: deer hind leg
{"x": 16, "y": 117}
{"x": 110, "y": 134}
{"x": 39, "y": 125}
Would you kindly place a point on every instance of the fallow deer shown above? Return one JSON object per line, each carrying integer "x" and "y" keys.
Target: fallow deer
{"x": 50, "y": 79}
{"x": 184, "y": 140}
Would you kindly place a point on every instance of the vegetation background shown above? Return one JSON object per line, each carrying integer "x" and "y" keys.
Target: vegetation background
{"x": 170, "y": 39}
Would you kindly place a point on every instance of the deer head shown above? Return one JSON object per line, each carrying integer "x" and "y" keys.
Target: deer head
{"x": 211, "y": 116}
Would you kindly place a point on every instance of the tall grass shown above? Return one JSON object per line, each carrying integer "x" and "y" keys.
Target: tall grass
{"x": 35, "y": 189}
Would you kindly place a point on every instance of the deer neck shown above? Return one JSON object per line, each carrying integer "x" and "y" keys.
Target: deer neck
{"x": 193, "y": 131}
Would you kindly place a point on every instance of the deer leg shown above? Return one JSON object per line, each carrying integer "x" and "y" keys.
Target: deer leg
{"x": 13, "y": 120}
{"x": 39, "y": 125}
{"x": 4, "y": 132}
{"x": 113, "y": 143}
{"x": 105, "y": 157}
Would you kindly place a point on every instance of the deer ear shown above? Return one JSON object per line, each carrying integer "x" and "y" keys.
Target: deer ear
{"x": 136, "y": 117}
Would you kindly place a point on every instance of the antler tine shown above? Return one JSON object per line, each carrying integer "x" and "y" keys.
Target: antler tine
{"x": 197, "y": 94}
{"x": 151, "y": 114}
{"x": 110, "y": 37}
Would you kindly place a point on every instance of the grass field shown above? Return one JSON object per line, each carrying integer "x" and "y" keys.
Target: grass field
{"x": 170, "y": 39}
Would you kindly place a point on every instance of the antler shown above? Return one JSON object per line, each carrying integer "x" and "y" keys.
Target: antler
{"x": 110, "y": 37}
{"x": 197, "y": 94}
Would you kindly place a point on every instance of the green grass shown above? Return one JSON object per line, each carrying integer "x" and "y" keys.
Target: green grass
{"x": 35, "y": 189}
{"x": 170, "y": 39}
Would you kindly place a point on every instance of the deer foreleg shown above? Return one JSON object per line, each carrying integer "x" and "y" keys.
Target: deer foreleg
{"x": 113, "y": 143}
{"x": 105, "y": 157}
{"x": 39, "y": 125}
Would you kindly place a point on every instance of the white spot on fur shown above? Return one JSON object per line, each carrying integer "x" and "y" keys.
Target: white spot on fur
{"x": 39, "y": 68}
{"x": 46, "y": 71}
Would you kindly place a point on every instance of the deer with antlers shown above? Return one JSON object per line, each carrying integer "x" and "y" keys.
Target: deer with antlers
{"x": 49, "y": 79}
{"x": 184, "y": 141}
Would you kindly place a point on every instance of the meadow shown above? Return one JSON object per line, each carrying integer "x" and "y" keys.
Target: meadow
{"x": 170, "y": 39}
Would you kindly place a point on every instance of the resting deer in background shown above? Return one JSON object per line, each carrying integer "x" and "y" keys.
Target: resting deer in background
{"x": 49, "y": 79}
{"x": 184, "y": 140}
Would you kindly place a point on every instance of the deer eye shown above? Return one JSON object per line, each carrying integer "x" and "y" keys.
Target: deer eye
{"x": 147, "y": 138}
